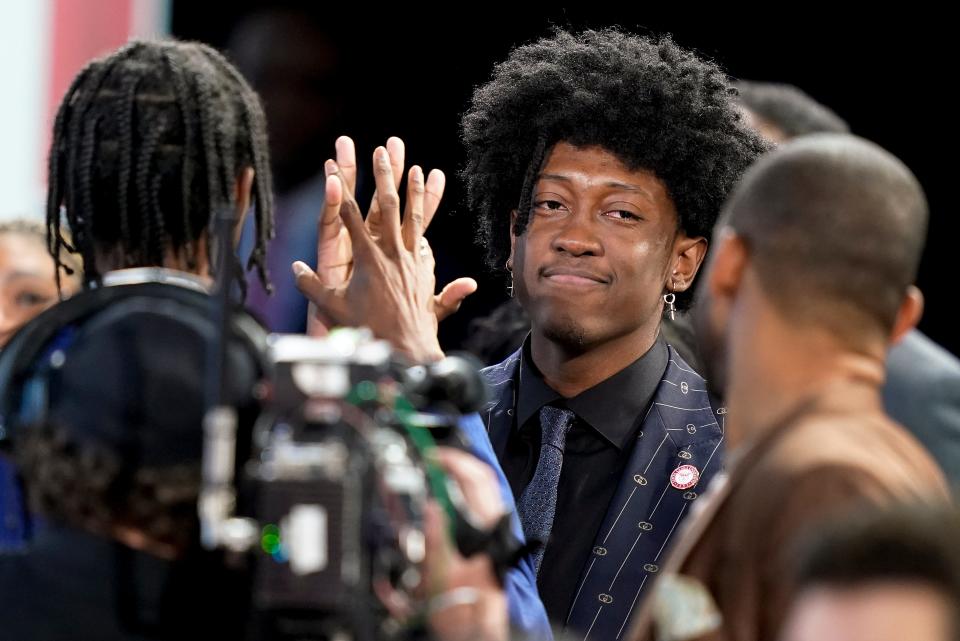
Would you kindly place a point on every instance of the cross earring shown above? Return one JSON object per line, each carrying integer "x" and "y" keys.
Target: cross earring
{"x": 668, "y": 299}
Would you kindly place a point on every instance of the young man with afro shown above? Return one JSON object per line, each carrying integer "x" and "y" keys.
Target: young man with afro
{"x": 597, "y": 164}
{"x": 607, "y": 156}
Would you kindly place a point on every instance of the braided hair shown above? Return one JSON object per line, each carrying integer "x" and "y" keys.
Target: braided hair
{"x": 147, "y": 146}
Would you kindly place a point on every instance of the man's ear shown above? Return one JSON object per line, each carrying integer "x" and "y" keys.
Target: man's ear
{"x": 688, "y": 256}
{"x": 728, "y": 264}
{"x": 911, "y": 309}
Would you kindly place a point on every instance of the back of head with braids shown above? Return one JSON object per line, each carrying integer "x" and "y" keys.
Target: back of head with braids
{"x": 147, "y": 146}
{"x": 646, "y": 100}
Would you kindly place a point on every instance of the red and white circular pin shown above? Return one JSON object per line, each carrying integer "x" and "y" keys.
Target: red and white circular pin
{"x": 684, "y": 477}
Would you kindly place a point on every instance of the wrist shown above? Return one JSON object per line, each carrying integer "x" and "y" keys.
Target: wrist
{"x": 422, "y": 351}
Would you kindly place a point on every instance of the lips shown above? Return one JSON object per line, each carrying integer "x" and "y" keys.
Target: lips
{"x": 573, "y": 276}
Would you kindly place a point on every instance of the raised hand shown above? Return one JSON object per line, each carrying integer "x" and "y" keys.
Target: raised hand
{"x": 379, "y": 273}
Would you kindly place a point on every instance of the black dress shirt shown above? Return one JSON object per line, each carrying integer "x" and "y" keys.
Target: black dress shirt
{"x": 596, "y": 452}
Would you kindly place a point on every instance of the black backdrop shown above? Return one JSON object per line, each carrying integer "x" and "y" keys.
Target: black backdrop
{"x": 410, "y": 72}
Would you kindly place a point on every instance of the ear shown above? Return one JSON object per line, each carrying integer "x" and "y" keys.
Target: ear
{"x": 911, "y": 309}
{"x": 688, "y": 255}
{"x": 728, "y": 264}
{"x": 242, "y": 192}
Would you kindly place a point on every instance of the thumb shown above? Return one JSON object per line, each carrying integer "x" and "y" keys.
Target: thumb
{"x": 448, "y": 301}
{"x": 324, "y": 298}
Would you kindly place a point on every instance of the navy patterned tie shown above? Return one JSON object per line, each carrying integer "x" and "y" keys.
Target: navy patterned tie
{"x": 538, "y": 502}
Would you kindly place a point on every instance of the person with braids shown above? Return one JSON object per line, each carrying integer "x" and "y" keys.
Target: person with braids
{"x": 149, "y": 144}
{"x": 597, "y": 163}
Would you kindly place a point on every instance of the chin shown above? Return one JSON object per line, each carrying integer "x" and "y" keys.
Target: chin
{"x": 567, "y": 332}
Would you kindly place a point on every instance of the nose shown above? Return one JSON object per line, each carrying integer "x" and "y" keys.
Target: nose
{"x": 578, "y": 237}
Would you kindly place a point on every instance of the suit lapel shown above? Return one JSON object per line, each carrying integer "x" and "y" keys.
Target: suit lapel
{"x": 680, "y": 430}
{"x": 498, "y": 414}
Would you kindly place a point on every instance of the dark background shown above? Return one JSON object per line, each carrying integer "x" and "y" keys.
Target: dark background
{"x": 410, "y": 72}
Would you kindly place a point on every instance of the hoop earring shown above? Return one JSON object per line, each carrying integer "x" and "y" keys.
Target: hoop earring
{"x": 509, "y": 267}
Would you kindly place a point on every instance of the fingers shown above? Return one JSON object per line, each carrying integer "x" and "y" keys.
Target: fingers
{"x": 397, "y": 152}
{"x": 440, "y": 550}
{"x": 333, "y": 198}
{"x": 412, "y": 226}
{"x": 433, "y": 192}
{"x": 383, "y": 222}
{"x": 477, "y": 482}
{"x": 334, "y": 252}
{"x": 388, "y": 201}
{"x": 360, "y": 238}
{"x": 324, "y": 298}
{"x": 339, "y": 212}
{"x": 334, "y": 249}
{"x": 451, "y": 297}
{"x": 347, "y": 161}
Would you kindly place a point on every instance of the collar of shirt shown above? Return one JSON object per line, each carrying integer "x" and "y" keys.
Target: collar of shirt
{"x": 613, "y": 407}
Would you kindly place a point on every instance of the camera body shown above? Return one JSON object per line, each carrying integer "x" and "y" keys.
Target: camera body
{"x": 326, "y": 503}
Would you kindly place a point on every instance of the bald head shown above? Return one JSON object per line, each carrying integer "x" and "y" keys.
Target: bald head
{"x": 780, "y": 111}
{"x": 835, "y": 227}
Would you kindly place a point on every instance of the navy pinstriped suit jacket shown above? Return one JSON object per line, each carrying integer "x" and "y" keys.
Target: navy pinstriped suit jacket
{"x": 680, "y": 428}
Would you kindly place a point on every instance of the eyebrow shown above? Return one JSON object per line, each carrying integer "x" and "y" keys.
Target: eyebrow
{"x": 24, "y": 275}
{"x": 612, "y": 183}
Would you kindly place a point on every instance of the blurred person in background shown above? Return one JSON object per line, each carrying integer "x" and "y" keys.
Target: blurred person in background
{"x": 922, "y": 387}
{"x": 779, "y": 112}
{"x": 810, "y": 281}
{"x": 879, "y": 576}
{"x": 28, "y": 284}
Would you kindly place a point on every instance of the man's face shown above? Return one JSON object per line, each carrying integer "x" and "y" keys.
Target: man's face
{"x": 597, "y": 254}
{"x": 885, "y": 611}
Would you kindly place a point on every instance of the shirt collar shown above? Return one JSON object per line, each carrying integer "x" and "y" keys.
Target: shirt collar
{"x": 614, "y": 407}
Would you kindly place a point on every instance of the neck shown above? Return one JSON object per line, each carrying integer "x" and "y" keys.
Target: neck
{"x": 571, "y": 371}
{"x": 775, "y": 365}
{"x": 175, "y": 259}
